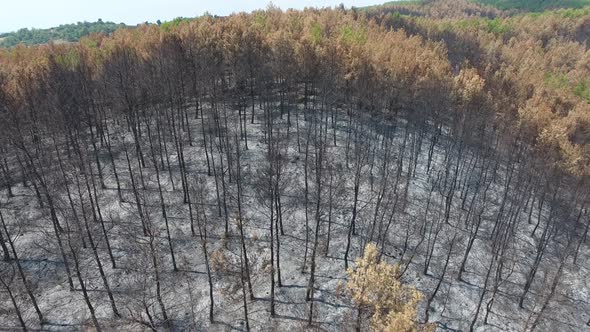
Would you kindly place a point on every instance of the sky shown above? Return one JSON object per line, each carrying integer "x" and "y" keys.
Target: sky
{"x": 16, "y": 14}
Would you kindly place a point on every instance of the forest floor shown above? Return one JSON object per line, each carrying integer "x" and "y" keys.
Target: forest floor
{"x": 185, "y": 292}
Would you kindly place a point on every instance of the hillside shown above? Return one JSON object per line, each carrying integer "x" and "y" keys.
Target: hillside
{"x": 62, "y": 33}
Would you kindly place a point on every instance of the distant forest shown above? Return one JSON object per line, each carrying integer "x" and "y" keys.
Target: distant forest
{"x": 64, "y": 32}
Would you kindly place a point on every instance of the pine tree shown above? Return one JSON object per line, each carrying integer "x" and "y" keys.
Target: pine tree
{"x": 377, "y": 290}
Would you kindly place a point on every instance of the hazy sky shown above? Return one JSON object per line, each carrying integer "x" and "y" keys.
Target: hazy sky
{"x": 16, "y": 14}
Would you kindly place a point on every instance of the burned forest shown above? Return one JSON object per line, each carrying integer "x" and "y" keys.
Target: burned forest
{"x": 324, "y": 169}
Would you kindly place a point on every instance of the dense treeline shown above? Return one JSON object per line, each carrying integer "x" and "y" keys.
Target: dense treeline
{"x": 160, "y": 151}
{"x": 535, "y": 5}
{"x": 473, "y": 7}
{"x": 63, "y": 33}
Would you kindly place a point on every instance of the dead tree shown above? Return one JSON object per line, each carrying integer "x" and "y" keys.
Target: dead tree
{"x": 162, "y": 201}
{"x": 201, "y": 188}
{"x": 93, "y": 245}
{"x": 319, "y": 165}
{"x": 28, "y": 286}
{"x": 76, "y": 260}
{"x": 360, "y": 157}
{"x": 6, "y": 281}
{"x": 440, "y": 279}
